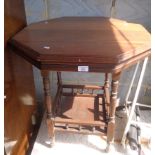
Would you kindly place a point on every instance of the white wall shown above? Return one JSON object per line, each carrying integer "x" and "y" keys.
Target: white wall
{"x": 137, "y": 11}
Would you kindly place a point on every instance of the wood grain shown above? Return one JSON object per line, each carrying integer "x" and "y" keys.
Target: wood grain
{"x": 19, "y": 91}
{"x": 81, "y": 41}
{"x": 112, "y": 107}
{"x": 62, "y": 44}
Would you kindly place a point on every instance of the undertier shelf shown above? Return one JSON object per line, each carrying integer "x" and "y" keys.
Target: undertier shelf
{"x": 81, "y": 114}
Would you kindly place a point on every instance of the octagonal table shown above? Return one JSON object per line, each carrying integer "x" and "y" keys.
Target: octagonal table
{"x": 82, "y": 44}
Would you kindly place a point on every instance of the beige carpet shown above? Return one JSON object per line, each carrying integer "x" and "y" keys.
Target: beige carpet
{"x": 76, "y": 144}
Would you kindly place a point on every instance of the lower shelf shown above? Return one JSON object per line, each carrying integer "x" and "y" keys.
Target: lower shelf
{"x": 81, "y": 115}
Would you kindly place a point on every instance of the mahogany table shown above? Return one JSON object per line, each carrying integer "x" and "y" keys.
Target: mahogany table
{"x": 82, "y": 44}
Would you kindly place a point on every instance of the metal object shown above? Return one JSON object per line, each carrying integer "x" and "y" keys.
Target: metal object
{"x": 113, "y": 10}
{"x": 46, "y": 9}
{"x": 131, "y": 84}
{"x": 134, "y": 103}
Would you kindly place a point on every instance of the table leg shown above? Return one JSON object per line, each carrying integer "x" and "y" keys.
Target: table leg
{"x": 107, "y": 94}
{"x": 48, "y": 103}
{"x": 59, "y": 78}
{"x": 59, "y": 86}
{"x": 112, "y": 108}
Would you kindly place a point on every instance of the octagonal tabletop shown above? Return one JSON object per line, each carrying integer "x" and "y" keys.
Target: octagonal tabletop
{"x": 101, "y": 44}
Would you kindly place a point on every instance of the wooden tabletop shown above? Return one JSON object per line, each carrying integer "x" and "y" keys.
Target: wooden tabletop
{"x": 102, "y": 44}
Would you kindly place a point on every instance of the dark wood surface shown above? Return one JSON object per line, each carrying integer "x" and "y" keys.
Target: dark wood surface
{"x": 14, "y": 21}
{"x": 81, "y": 114}
{"x": 19, "y": 104}
{"x": 64, "y": 43}
{"x": 84, "y": 110}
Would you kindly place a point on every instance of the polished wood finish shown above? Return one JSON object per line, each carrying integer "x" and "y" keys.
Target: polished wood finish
{"x": 19, "y": 103}
{"x": 65, "y": 44}
{"x": 80, "y": 110}
{"x": 49, "y": 104}
{"x": 83, "y": 87}
{"x": 22, "y": 146}
{"x": 48, "y": 100}
{"x": 15, "y": 19}
{"x": 107, "y": 94}
{"x": 112, "y": 107}
{"x": 77, "y": 111}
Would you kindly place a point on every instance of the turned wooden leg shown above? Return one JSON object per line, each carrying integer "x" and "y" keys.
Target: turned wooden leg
{"x": 107, "y": 95}
{"x": 57, "y": 102}
{"x": 59, "y": 78}
{"x": 49, "y": 106}
{"x": 112, "y": 108}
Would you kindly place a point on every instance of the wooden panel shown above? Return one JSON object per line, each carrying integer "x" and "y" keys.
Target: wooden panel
{"x": 22, "y": 145}
{"x": 19, "y": 86}
{"x": 15, "y": 18}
